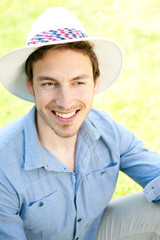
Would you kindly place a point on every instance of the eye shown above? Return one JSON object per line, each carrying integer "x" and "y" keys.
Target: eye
{"x": 51, "y": 84}
{"x": 79, "y": 83}
{"x": 48, "y": 84}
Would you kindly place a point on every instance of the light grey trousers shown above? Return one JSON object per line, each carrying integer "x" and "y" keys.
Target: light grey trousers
{"x": 130, "y": 217}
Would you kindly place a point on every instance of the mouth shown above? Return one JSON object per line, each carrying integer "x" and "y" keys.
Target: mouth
{"x": 65, "y": 116}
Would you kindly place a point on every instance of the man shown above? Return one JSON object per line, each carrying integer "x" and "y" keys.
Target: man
{"x": 59, "y": 163}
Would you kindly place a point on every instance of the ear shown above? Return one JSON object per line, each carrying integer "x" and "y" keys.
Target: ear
{"x": 30, "y": 87}
{"x": 97, "y": 83}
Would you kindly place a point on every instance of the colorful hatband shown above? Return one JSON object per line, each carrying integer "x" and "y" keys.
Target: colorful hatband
{"x": 56, "y": 35}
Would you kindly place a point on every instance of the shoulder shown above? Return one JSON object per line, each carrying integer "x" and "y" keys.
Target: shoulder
{"x": 101, "y": 119}
{"x": 106, "y": 125}
{"x": 11, "y": 131}
{"x": 113, "y": 133}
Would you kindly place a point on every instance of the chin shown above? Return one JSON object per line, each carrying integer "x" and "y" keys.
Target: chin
{"x": 65, "y": 134}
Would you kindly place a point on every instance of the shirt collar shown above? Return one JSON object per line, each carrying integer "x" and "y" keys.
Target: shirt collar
{"x": 33, "y": 149}
{"x": 36, "y": 156}
{"x": 89, "y": 132}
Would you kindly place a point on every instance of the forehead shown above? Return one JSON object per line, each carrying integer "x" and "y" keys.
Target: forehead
{"x": 63, "y": 61}
{"x": 64, "y": 52}
{"x": 64, "y": 56}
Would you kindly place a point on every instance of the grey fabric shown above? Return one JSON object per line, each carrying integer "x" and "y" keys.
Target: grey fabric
{"x": 130, "y": 217}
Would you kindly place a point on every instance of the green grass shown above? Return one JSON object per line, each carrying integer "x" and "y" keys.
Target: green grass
{"x": 134, "y": 100}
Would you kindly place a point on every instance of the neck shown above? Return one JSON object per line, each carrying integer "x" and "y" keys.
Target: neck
{"x": 61, "y": 147}
{"x": 55, "y": 143}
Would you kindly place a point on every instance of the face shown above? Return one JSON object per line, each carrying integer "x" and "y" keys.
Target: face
{"x": 63, "y": 88}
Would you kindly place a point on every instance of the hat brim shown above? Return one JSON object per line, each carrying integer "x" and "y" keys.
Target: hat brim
{"x": 12, "y": 64}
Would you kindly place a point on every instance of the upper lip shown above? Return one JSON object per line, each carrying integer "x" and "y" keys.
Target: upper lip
{"x": 61, "y": 112}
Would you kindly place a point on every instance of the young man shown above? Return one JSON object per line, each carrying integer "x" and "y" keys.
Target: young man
{"x": 59, "y": 163}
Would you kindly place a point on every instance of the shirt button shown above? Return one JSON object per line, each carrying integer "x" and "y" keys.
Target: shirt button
{"x": 41, "y": 204}
{"x": 79, "y": 220}
{"x": 102, "y": 172}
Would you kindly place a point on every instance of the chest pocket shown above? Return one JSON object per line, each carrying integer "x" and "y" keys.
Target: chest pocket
{"x": 101, "y": 184}
{"x": 43, "y": 213}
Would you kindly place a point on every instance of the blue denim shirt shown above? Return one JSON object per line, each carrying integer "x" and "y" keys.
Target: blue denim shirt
{"x": 41, "y": 199}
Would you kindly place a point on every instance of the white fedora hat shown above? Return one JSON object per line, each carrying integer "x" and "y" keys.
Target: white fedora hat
{"x": 58, "y": 25}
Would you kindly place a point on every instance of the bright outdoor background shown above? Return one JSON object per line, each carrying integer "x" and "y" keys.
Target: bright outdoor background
{"x": 134, "y": 101}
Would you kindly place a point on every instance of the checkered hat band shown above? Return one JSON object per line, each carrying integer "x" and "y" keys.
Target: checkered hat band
{"x": 57, "y": 35}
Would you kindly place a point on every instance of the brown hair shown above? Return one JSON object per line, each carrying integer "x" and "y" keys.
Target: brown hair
{"x": 81, "y": 46}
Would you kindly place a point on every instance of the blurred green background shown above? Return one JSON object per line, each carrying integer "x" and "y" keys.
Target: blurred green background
{"x": 133, "y": 100}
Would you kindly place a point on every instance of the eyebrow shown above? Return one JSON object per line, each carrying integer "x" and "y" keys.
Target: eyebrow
{"x": 43, "y": 77}
{"x": 84, "y": 75}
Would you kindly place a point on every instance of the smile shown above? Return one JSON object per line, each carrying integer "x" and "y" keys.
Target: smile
{"x": 65, "y": 116}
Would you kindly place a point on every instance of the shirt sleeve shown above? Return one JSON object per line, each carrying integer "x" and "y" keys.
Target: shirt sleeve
{"x": 11, "y": 225}
{"x": 152, "y": 190}
{"x": 142, "y": 165}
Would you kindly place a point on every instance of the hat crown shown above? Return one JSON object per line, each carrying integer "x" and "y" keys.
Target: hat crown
{"x": 55, "y": 18}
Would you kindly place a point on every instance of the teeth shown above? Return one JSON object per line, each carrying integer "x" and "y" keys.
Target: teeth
{"x": 65, "y": 115}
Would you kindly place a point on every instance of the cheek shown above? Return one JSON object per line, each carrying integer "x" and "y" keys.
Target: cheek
{"x": 41, "y": 101}
{"x": 86, "y": 97}
{"x": 43, "y": 97}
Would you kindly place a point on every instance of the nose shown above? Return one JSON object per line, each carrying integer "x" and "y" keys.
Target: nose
{"x": 64, "y": 97}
